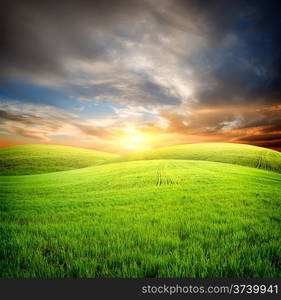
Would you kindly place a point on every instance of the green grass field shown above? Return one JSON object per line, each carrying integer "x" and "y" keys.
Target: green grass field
{"x": 37, "y": 159}
{"x": 202, "y": 210}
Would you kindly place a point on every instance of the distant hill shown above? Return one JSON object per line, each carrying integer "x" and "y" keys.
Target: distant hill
{"x": 239, "y": 154}
{"x": 37, "y": 159}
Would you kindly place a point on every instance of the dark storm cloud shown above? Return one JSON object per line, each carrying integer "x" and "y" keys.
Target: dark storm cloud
{"x": 261, "y": 138}
{"x": 38, "y": 37}
{"x": 248, "y": 69}
{"x": 264, "y": 140}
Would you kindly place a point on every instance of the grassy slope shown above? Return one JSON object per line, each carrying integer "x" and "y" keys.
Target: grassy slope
{"x": 36, "y": 159}
{"x": 161, "y": 218}
{"x": 240, "y": 154}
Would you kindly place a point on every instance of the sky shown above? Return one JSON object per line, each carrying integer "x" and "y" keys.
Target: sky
{"x": 124, "y": 76}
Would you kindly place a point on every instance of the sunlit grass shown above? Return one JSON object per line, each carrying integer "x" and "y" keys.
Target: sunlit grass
{"x": 37, "y": 159}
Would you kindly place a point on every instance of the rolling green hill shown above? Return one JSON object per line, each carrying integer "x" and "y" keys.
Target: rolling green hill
{"x": 240, "y": 154}
{"x": 171, "y": 212}
{"x": 36, "y": 159}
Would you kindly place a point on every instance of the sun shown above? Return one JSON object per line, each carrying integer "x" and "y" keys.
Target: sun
{"x": 137, "y": 139}
{"x": 134, "y": 140}
{"x": 131, "y": 147}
